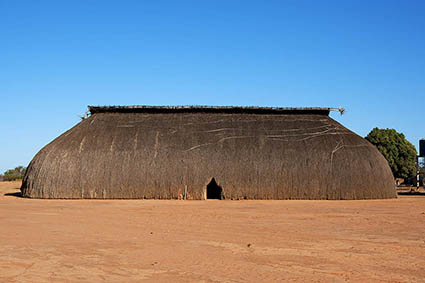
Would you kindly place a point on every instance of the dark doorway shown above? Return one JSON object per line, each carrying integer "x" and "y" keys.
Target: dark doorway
{"x": 214, "y": 191}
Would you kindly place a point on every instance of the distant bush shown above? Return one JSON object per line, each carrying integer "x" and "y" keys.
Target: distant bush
{"x": 14, "y": 174}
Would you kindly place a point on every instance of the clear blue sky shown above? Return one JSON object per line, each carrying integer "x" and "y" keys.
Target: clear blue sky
{"x": 57, "y": 57}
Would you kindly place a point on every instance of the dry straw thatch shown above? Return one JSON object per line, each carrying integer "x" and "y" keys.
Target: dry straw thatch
{"x": 174, "y": 152}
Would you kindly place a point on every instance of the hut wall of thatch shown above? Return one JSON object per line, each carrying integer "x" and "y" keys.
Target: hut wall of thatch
{"x": 170, "y": 153}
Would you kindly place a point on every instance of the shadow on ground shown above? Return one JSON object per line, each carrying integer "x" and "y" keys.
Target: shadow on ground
{"x": 17, "y": 194}
{"x": 411, "y": 193}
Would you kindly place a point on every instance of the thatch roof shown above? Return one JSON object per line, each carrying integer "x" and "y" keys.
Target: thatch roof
{"x": 169, "y": 152}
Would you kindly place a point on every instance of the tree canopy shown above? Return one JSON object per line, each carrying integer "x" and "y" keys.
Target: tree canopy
{"x": 399, "y": 152}
{"x": 14, "y": 174}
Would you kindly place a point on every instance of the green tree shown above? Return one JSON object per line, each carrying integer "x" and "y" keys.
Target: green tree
{"x": 14, "y": 174}
{"x": 399, "y": 152}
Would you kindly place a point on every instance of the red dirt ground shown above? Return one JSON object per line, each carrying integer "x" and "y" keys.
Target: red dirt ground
{"x": 210, "y": 241}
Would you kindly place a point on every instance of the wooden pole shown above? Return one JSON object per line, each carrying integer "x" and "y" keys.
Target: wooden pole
{"x": 417, "y": 173}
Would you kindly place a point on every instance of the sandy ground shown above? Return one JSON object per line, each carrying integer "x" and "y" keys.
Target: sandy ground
{"x": 210, "y": 241}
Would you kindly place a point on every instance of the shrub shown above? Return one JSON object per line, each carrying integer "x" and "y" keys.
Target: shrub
{"x": 399, "y": 152}
{"x": 14, "y": 174}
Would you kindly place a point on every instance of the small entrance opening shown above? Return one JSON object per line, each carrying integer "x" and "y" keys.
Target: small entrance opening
{"x": 214, "y": 191}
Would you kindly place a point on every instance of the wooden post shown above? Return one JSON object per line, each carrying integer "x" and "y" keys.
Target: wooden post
{"x": 417, "y": 173}
{"x": 185, "y": 192}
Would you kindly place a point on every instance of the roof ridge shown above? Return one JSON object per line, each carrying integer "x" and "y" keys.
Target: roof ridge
{"x": 213, "y": 109}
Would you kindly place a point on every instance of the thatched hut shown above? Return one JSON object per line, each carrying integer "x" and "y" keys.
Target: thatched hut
{"x": 209, "y": 152}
